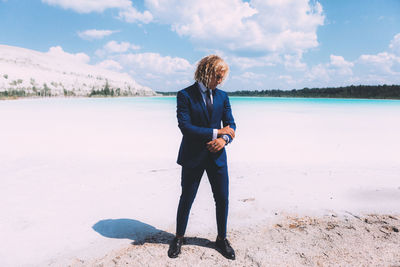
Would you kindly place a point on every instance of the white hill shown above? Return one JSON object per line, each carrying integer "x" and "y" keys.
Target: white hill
{"x": 58, "y": 73}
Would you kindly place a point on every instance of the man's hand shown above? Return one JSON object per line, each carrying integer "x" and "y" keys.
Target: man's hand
{"x": 227, "y": 130}
{"x": 216, "y": 145}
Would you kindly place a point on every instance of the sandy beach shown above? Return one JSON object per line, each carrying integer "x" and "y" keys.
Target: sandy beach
{"x": 83, "y": 183}
{"x": 331, "y": 240}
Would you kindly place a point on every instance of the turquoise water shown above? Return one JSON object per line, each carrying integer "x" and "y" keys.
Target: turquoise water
{"x": 164, "y": 108}
{"x": 165, "y": 101}
{"x": 273, "y": 100}
{"x": 329, "y": 101}
{"x": 144, "y": 102}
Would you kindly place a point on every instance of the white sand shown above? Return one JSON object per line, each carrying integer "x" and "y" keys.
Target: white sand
{"x": 67, "y": 165}
{"x": 328, "y": 241}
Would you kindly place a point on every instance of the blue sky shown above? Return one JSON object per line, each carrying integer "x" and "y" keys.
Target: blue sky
{"x": 269, "y": 44}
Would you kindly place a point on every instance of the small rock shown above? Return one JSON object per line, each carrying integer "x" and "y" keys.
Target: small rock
{"x": 247, "y": 199}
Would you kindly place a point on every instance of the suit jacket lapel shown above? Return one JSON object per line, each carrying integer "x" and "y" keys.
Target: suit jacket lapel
{"x": 217, "y": 105}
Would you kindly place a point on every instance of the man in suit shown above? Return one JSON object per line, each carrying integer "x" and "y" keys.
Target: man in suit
{"x": 201, "y": 108}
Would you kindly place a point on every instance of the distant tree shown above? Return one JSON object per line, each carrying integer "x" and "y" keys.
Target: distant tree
{"x": 360, "y": 91}
{"x": 46, "y": 90}
{"x": 107, "y": 89}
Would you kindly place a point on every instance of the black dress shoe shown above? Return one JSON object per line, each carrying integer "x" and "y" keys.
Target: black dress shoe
{"x": 225, "y": 248}
{"x": 175, "y": 247}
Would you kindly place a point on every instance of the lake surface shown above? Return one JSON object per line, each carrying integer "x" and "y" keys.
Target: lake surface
{"x": 292, "y": 127}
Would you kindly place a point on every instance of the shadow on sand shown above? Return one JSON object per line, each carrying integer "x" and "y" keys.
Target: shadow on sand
{"x": 141, "y": 233}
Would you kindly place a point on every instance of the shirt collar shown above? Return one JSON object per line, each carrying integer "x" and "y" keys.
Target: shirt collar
{"x": 203, "y": 88}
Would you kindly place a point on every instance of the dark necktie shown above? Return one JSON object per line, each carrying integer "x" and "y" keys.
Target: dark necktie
{"x": 208, "y": 102}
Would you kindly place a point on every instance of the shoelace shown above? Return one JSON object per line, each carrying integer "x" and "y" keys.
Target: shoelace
{"x": 227, "y": 244}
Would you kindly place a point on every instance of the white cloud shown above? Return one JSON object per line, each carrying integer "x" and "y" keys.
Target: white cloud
{"x": 293, "y": 61}
{"x": 164, "y": 73}
{"x": 383, "y": 63}
{"x": 270, "y": 32}
{"x": 368, "y": 69}
{"x": 319, "y": 72}
{"x": 88, "y": 6}
{"x": 151, "y": 76}
{"x": 380, "y": 58}
{"x": 126, "y": 11}
{"x": 248, "y": 75}
{"x": 155, "y": 63}
{"x": 288, "y": 79}
{"x": 178, "y": 82}
{"x": 114, "y": 47}
{"x": 95, "y": 34}
{"x": 338, "y": 67}
{"x": 249, "y": 78}
{"x": 251, "y": 62}
{"x": 260, "y": 25}
{"x": 57, "y": 51}
{"x": 340, "y": 62}
{"x": 110, "y": 64}
{"x": 380, "y": 68}
{"x": 131, "y": 15}
{"x": 341, "y": 66}
{"x": 395, "y": 44}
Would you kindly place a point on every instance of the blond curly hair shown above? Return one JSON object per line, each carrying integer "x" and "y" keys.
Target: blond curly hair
{"x": 208, "y": 67}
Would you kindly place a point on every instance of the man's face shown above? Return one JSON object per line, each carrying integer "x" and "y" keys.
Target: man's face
{"x": 216, "y": 79}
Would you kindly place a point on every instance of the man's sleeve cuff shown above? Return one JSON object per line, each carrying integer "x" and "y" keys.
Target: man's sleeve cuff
{"x": 215, "y": 134}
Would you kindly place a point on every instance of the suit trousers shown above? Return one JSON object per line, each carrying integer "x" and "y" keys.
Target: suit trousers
{"x": 190, "y": 181}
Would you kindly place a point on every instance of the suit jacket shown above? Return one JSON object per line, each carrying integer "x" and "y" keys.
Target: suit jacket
{"x": 197, "y": 126}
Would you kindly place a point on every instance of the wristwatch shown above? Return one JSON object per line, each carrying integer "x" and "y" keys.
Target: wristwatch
{"x": 225, "y": 137}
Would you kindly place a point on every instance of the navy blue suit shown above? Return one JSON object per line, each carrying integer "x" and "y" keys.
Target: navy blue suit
{"x": 197, "y": 127}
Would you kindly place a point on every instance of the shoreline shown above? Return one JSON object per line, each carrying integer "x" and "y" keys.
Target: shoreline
{"x": 329, "y": 240}
{"x": 173, "y": 96}
{"x": 64, "y": 97}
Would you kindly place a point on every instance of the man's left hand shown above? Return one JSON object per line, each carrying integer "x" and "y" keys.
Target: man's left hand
{"x": 216, "y": 145}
